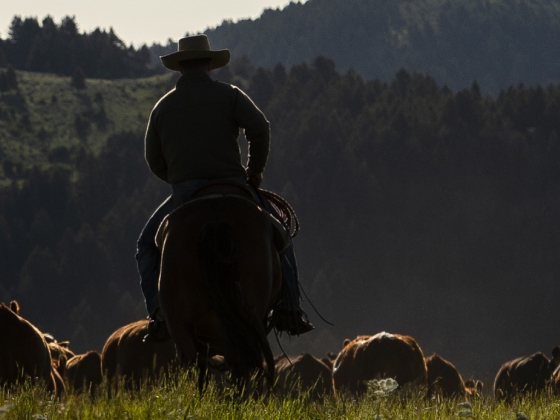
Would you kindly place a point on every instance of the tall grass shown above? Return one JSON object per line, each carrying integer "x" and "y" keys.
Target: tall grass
{"x": 178, "y": 398}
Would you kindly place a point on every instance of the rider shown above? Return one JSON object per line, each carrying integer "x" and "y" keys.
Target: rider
{"x": 191, "y": 141}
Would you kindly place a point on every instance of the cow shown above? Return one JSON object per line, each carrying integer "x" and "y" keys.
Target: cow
{"x": 525, "y": 375}
{"x": 329, "y": 359}
{"x": 444, "y": 379}
{"x": 474, "y": 388}
{"x": 379, "y": 356}
{"x": 556, "y": 381}
{"x": 59, "y": 350}
{"x": 60, "y": 354}
{"x": 303, "y": 374}
{"x": 24, "y": 352}
{"x": 125, "y": 356}
{"x": 83, "y": 372}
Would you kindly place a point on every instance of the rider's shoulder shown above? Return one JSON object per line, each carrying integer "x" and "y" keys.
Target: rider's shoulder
{"x": 226, "y": 86}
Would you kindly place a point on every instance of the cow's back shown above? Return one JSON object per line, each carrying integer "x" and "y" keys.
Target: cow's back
{"x": 380, "y": 356}
{"x": 126, "y": 356}
{"x": 303, "y": 374}
{"x": 556, "y": 381}
{"x": 23, "y": 349}
{"x": 83, "y": 372}
{"x": 526, "y": 374}
{"x": 444, "y": 378}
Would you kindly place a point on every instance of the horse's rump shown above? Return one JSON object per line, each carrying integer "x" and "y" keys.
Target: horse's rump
{"x": 220, "y": 276}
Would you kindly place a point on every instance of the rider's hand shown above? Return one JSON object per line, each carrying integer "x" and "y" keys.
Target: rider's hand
{"x": 254, "y": 178}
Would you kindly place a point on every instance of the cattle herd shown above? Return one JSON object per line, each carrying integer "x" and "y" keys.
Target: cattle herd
{"x": 126, "y": 361}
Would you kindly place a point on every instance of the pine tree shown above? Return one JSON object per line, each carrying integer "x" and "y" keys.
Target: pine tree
{"x": 78, "y": 78}
{"x": 11, "y": 78}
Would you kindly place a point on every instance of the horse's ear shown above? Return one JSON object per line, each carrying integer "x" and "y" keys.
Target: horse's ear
{"x": 346, "y": 342}
{"x": 14, "y": 307}
{"x": 64, "y": 344}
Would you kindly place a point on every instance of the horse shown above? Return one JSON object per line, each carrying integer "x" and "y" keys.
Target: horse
{"x": 220, "y": 278}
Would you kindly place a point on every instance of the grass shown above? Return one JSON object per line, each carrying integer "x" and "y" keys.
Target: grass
{"x": 45, "y": 114}
{"x": 178, "y": 398}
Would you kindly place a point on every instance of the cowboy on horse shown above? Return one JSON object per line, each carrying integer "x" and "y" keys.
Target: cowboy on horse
{"x": 192, "y": 141}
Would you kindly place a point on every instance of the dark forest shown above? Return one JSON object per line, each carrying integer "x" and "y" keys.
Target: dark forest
{"x": 424, "y": 211}
{"x": 48, "y": 47}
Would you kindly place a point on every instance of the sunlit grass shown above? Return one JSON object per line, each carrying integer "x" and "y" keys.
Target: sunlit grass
{"x": 39, "y": 122}
{"x": 178, "y": 398}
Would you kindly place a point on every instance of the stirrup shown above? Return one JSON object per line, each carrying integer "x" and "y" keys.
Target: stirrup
{"x": 157, "y": 331}
{"x": 295, "y": 323}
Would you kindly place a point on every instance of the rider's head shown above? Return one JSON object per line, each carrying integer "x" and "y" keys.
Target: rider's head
{"x": 195, "y": 65}
{"x": 195, "y": 54}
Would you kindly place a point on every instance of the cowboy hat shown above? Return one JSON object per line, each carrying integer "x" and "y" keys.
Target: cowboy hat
{"x": 192, "y": 47}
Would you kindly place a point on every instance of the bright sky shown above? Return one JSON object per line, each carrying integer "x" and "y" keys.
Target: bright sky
{"x": 138, "y": 21}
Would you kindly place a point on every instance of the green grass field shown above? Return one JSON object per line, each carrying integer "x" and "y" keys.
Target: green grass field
{"x": 179, "y": 399}
{"x": 47, "y": 122}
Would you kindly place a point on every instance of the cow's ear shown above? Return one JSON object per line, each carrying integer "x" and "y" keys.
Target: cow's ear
{"x": 14, "y": 307}
{"x": 556, "y": 352}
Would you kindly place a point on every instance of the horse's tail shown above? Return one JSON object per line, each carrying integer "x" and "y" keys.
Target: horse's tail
{"x": 245, "y": 337}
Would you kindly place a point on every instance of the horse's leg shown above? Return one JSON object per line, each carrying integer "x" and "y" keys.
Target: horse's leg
{"x": 202, "y": 373}
{"x": 186, "y": 352}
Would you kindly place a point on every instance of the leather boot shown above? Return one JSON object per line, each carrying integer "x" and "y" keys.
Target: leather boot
{"x": 294, "y": 322}
{"x": 157, "y": 328}
{"x": 287, "y": 315}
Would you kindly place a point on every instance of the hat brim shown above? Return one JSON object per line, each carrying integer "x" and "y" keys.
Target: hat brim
{"x": 219, "y": 58}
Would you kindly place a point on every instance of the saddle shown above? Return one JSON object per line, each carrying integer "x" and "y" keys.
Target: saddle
{"x": 280, "y": 236}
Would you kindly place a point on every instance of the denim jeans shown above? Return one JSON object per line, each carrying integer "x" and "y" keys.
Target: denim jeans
{"x": 290, "y": 295}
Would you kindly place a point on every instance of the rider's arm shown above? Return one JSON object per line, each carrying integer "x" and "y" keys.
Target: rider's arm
{"x": 153, "y": 150}
{"x": 254, "y": 178}
{"x": 257, "y": 130}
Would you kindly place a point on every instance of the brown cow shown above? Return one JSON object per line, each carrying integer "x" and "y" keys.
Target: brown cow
{"x": 329, "y": 359}
{"x": 556, "y": 381}
{"x": 60, "y": 354}
{"x": 83, "y": 372}
{"x": 474, "y": 388}
{"x": 303, "y": 374}
{"x": 380, "y": 356}
{"x": 59, "y": 350}
{"x": 24, "y": 352}
{"x": 444, "y": 379}
{"x": 525, "y": 375}
{"x": 126, "y": 356}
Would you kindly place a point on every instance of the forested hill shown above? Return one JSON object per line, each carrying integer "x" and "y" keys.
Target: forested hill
{"x": 47, "y": 47}
{"x": 495, "y": 42}
{"x": 424, "y": 211}
{"x": 498, "y": 43}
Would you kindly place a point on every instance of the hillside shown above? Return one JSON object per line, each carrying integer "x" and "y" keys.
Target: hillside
{"x": 47, "y": 47}
{"x": 498, "y": 43}
{"x": 424, "y": 211}
{"x": 46, "y": 122}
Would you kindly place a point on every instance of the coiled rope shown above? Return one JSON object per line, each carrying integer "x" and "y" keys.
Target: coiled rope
{"x": 285, "y": 210}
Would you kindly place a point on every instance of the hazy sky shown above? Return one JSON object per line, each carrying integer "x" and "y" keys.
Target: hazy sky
{"x": 138, "y": 21}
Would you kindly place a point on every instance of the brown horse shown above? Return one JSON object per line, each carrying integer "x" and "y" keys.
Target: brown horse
{"x": 220, "y": 277}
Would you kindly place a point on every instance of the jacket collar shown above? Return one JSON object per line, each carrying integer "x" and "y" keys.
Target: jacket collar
{"x": 193, "y": 77}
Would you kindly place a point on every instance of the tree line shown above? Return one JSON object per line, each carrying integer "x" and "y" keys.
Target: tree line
{"x": 48, "y": 47}
{"x": 497, "y": 43}
{"x": 424, "y": 211}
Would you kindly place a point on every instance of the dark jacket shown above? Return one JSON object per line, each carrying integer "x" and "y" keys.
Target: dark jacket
{"x": 193, "y": 131}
